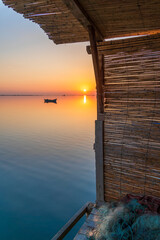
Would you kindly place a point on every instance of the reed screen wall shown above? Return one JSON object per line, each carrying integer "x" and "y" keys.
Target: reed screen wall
{"x": 132, "y": 117}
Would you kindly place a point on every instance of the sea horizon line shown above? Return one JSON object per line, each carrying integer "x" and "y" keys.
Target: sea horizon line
{"x": 32, "y": 95}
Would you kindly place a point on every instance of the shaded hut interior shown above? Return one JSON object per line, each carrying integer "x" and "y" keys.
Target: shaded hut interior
{"x": 124, "y": 41}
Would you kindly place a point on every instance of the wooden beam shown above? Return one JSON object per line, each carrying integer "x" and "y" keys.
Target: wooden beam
{"x": 70, "y": 224}
{"x": 96, "y": 65}
{"x": 101, "y": 69}
{"x": 82, "y": 16}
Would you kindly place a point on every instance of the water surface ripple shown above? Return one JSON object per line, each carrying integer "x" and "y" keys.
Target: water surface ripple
{"x": 47, "y": 168}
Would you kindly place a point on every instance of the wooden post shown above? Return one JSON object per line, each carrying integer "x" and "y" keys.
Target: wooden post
{"x": 99, "y": 128}
{"x": 99, "y": 124}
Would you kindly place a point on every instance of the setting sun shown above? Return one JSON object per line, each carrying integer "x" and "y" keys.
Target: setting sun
{"x": 84, "y": 90}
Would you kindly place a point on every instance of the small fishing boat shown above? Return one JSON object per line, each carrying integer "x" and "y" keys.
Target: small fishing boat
{"x": 50, "y": 100}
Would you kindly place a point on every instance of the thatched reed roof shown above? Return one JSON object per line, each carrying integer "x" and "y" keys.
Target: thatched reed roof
{"x": 66, "y": 21}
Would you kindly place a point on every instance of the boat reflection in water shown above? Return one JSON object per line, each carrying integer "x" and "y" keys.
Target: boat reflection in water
{"x": 50, "y": 100}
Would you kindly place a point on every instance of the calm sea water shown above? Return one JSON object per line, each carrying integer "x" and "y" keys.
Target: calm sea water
{"x": 47, "y": 166}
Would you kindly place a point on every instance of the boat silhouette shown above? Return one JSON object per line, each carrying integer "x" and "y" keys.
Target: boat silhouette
{"x": 50, "y": 100}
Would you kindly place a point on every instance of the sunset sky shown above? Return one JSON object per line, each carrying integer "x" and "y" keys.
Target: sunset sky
{"x": 33, "y": 64}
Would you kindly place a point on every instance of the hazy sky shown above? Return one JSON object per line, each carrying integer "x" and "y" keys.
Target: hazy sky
{"x": 31, "y": 63}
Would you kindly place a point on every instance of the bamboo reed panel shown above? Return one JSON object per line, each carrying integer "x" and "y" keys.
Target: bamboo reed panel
{"x": 54, "y": 18}
{"x": 132, "y": 117}
{"x": 113, "y": 18}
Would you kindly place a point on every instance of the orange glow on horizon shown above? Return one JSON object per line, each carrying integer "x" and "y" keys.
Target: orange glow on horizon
{"x": 42, "y": 86}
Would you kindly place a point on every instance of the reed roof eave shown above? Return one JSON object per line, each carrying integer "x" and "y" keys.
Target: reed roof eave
{"x": 63, "y": 23}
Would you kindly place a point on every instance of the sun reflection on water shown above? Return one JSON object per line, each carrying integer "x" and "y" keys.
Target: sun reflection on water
{"x": 85, "y": 99}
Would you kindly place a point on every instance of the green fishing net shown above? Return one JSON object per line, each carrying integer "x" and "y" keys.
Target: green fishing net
{"x": 127, "y": 222}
